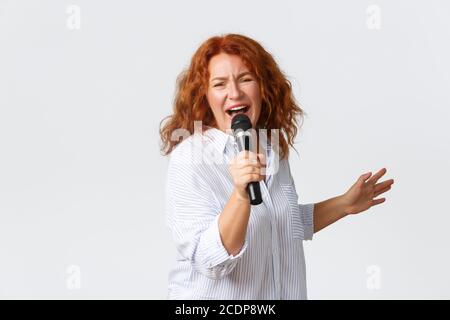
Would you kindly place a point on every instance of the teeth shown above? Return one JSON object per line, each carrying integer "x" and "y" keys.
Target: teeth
{"x": 237, "y": 108}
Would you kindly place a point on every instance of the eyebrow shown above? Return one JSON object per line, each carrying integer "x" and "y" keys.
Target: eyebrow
{"x": 239, "y": 76}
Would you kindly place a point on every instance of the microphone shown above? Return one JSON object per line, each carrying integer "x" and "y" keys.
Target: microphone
{"x": 240, "y": 124}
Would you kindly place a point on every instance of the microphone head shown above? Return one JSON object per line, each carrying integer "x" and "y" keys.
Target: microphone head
{"x": 241, "y": 121}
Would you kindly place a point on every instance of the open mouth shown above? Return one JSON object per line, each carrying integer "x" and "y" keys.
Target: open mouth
{"x": 237, "y": 110}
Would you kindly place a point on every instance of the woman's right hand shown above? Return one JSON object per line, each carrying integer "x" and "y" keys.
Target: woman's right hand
{"x": 245, "y": 168}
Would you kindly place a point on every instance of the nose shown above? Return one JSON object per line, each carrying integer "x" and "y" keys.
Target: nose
{"x": 234, "y": 91}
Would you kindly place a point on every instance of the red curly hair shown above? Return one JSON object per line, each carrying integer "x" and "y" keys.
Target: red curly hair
{"x": 279, "y": 109}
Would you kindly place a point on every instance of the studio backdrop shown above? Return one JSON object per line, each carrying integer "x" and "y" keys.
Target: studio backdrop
{"x": 85, "y": 84}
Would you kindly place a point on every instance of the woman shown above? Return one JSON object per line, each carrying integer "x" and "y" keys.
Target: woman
{"x": 226, "y": 248}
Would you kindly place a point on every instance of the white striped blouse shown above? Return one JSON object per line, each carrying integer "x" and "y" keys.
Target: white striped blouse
{"x": 271, "y": 263}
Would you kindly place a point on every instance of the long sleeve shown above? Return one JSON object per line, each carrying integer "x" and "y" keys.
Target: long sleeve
{"x": 193, "y": 216}
{"x": 271, "y": 263}
{"x": 303, "y": 214}
{"x": 307, "y": 217}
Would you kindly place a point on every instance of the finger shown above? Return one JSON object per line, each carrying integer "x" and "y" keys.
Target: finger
{"x": 246, "y": 163}
{"x": 247, "y": 155}
{"x": 384, "y": 184}
{"x": 377, "y": 201}
{"x": 377, "y": 176}
{"x": 263, "y": 170}
{"x": 244, "y": 154}
{"x": 235, "y": 160}
{"x": 250, "y": 170}
{"x": 253, "y": 177}
{"x": 377, "y": 193}
{"x": 261, "y": 158}
{"x": 364, "y": 177}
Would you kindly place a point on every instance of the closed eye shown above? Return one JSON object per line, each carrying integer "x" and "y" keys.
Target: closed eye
{"x": 220, "y": 84}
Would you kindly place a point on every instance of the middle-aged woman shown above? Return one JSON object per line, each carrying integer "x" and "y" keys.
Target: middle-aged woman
{"x": 226, "y": 247}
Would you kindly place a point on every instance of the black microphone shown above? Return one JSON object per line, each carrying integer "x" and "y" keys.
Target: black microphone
{"x": 240, "y": 124}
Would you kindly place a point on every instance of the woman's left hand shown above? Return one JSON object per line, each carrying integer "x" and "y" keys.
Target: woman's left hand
{"x": 360, "y": 196}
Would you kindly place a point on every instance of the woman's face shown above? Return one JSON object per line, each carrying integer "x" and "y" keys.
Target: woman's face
{"x": 232, "y": 86}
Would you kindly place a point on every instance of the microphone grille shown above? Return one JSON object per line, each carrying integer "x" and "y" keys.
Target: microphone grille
{"x": 241, "y": 121}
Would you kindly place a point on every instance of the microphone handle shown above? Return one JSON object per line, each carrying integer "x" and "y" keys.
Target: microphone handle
{"x": 253, "y": 188}
{"x": 254, "y": 193}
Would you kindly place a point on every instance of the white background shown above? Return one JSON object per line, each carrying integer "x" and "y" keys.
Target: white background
{"x": 82, "y": 179}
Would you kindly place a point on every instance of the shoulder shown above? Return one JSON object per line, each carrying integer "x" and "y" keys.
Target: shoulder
{"x": 200, "y": 147}
{"x": 191, "y": 155}
{"x": 187, "y": 170}
{"x": 186, "y": 149}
